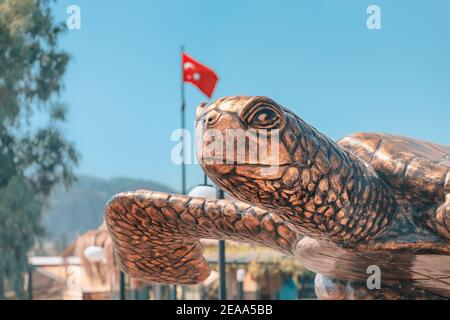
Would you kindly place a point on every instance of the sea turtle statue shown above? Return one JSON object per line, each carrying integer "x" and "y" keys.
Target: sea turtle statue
{"x": 369, "y": 205}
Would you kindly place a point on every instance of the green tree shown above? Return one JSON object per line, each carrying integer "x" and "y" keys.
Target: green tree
{"x": 32, "y": 158}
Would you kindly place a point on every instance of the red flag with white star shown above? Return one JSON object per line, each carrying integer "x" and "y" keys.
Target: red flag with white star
{"x": 201, "y": 76}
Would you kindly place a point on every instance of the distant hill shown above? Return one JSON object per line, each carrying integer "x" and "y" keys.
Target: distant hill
{"x": 81, "y": 207}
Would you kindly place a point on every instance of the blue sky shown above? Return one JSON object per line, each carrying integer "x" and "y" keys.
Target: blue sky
{"x": 316, "y": 57}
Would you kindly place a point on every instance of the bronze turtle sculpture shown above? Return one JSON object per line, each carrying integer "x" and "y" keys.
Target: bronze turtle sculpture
{"x": 369, "y": 200}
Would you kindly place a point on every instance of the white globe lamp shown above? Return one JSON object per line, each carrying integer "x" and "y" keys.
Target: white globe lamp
{"x": 95, "y": 253}
{"x": 203, "y": 191}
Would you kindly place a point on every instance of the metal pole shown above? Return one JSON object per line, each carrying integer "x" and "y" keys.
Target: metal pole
{"x": 122, "y": 289}
{"x": 157, "y": 292}
{"x": 174, "y": 292}
{"x": 222, "y": 261}
{"x": 222, "y": 272}
{"x": 30, "y": 283}
{"x": 183, "y": 126}
{"x": 240, "y": 277}
{"x": 240, "y": 290}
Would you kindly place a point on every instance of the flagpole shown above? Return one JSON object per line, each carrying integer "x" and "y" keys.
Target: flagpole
{"x": 183, "y": 126}
{"x": 220, "y": 194}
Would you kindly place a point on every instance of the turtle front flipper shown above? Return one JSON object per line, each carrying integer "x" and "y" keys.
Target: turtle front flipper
{"x": 156, "y": 235}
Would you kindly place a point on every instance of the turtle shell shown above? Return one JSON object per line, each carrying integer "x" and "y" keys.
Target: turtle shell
{"x": 416, "y": 169}
{"x": 419, "y": 173}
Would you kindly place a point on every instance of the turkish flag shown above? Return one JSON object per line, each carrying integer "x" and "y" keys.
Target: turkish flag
{"x": 199, "y": 75}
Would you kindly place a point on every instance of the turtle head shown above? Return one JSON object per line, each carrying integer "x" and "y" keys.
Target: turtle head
{"x": 250, "y": 146}
{"x": 240, "y": 131}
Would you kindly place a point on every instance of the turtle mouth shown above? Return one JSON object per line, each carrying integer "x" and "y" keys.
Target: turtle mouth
{"x": 219, "y": 161}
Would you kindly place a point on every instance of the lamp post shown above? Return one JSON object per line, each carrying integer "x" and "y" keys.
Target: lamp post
{"x": 240, "y": 275}
{"x": 97, "y": 254}
{"x": 222, "y": 261}
{"x": 122, "y": 289}
{"x": 203, "y": 191}
{"x": 209, "y": 192}
{"x": 30, "y": 282}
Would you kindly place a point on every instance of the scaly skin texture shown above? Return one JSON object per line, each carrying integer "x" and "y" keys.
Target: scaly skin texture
{"x": 417, "y": 171}
{"x": 326, "y": 191}
{"x": 367, "y": 200}
{"x": 157, "y": 234}
{"x": 320, "y": 188}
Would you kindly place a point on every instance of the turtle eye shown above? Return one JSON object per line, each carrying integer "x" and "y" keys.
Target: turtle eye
{"x": 264, "y": 117}
{"x": 212, "y": 117}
